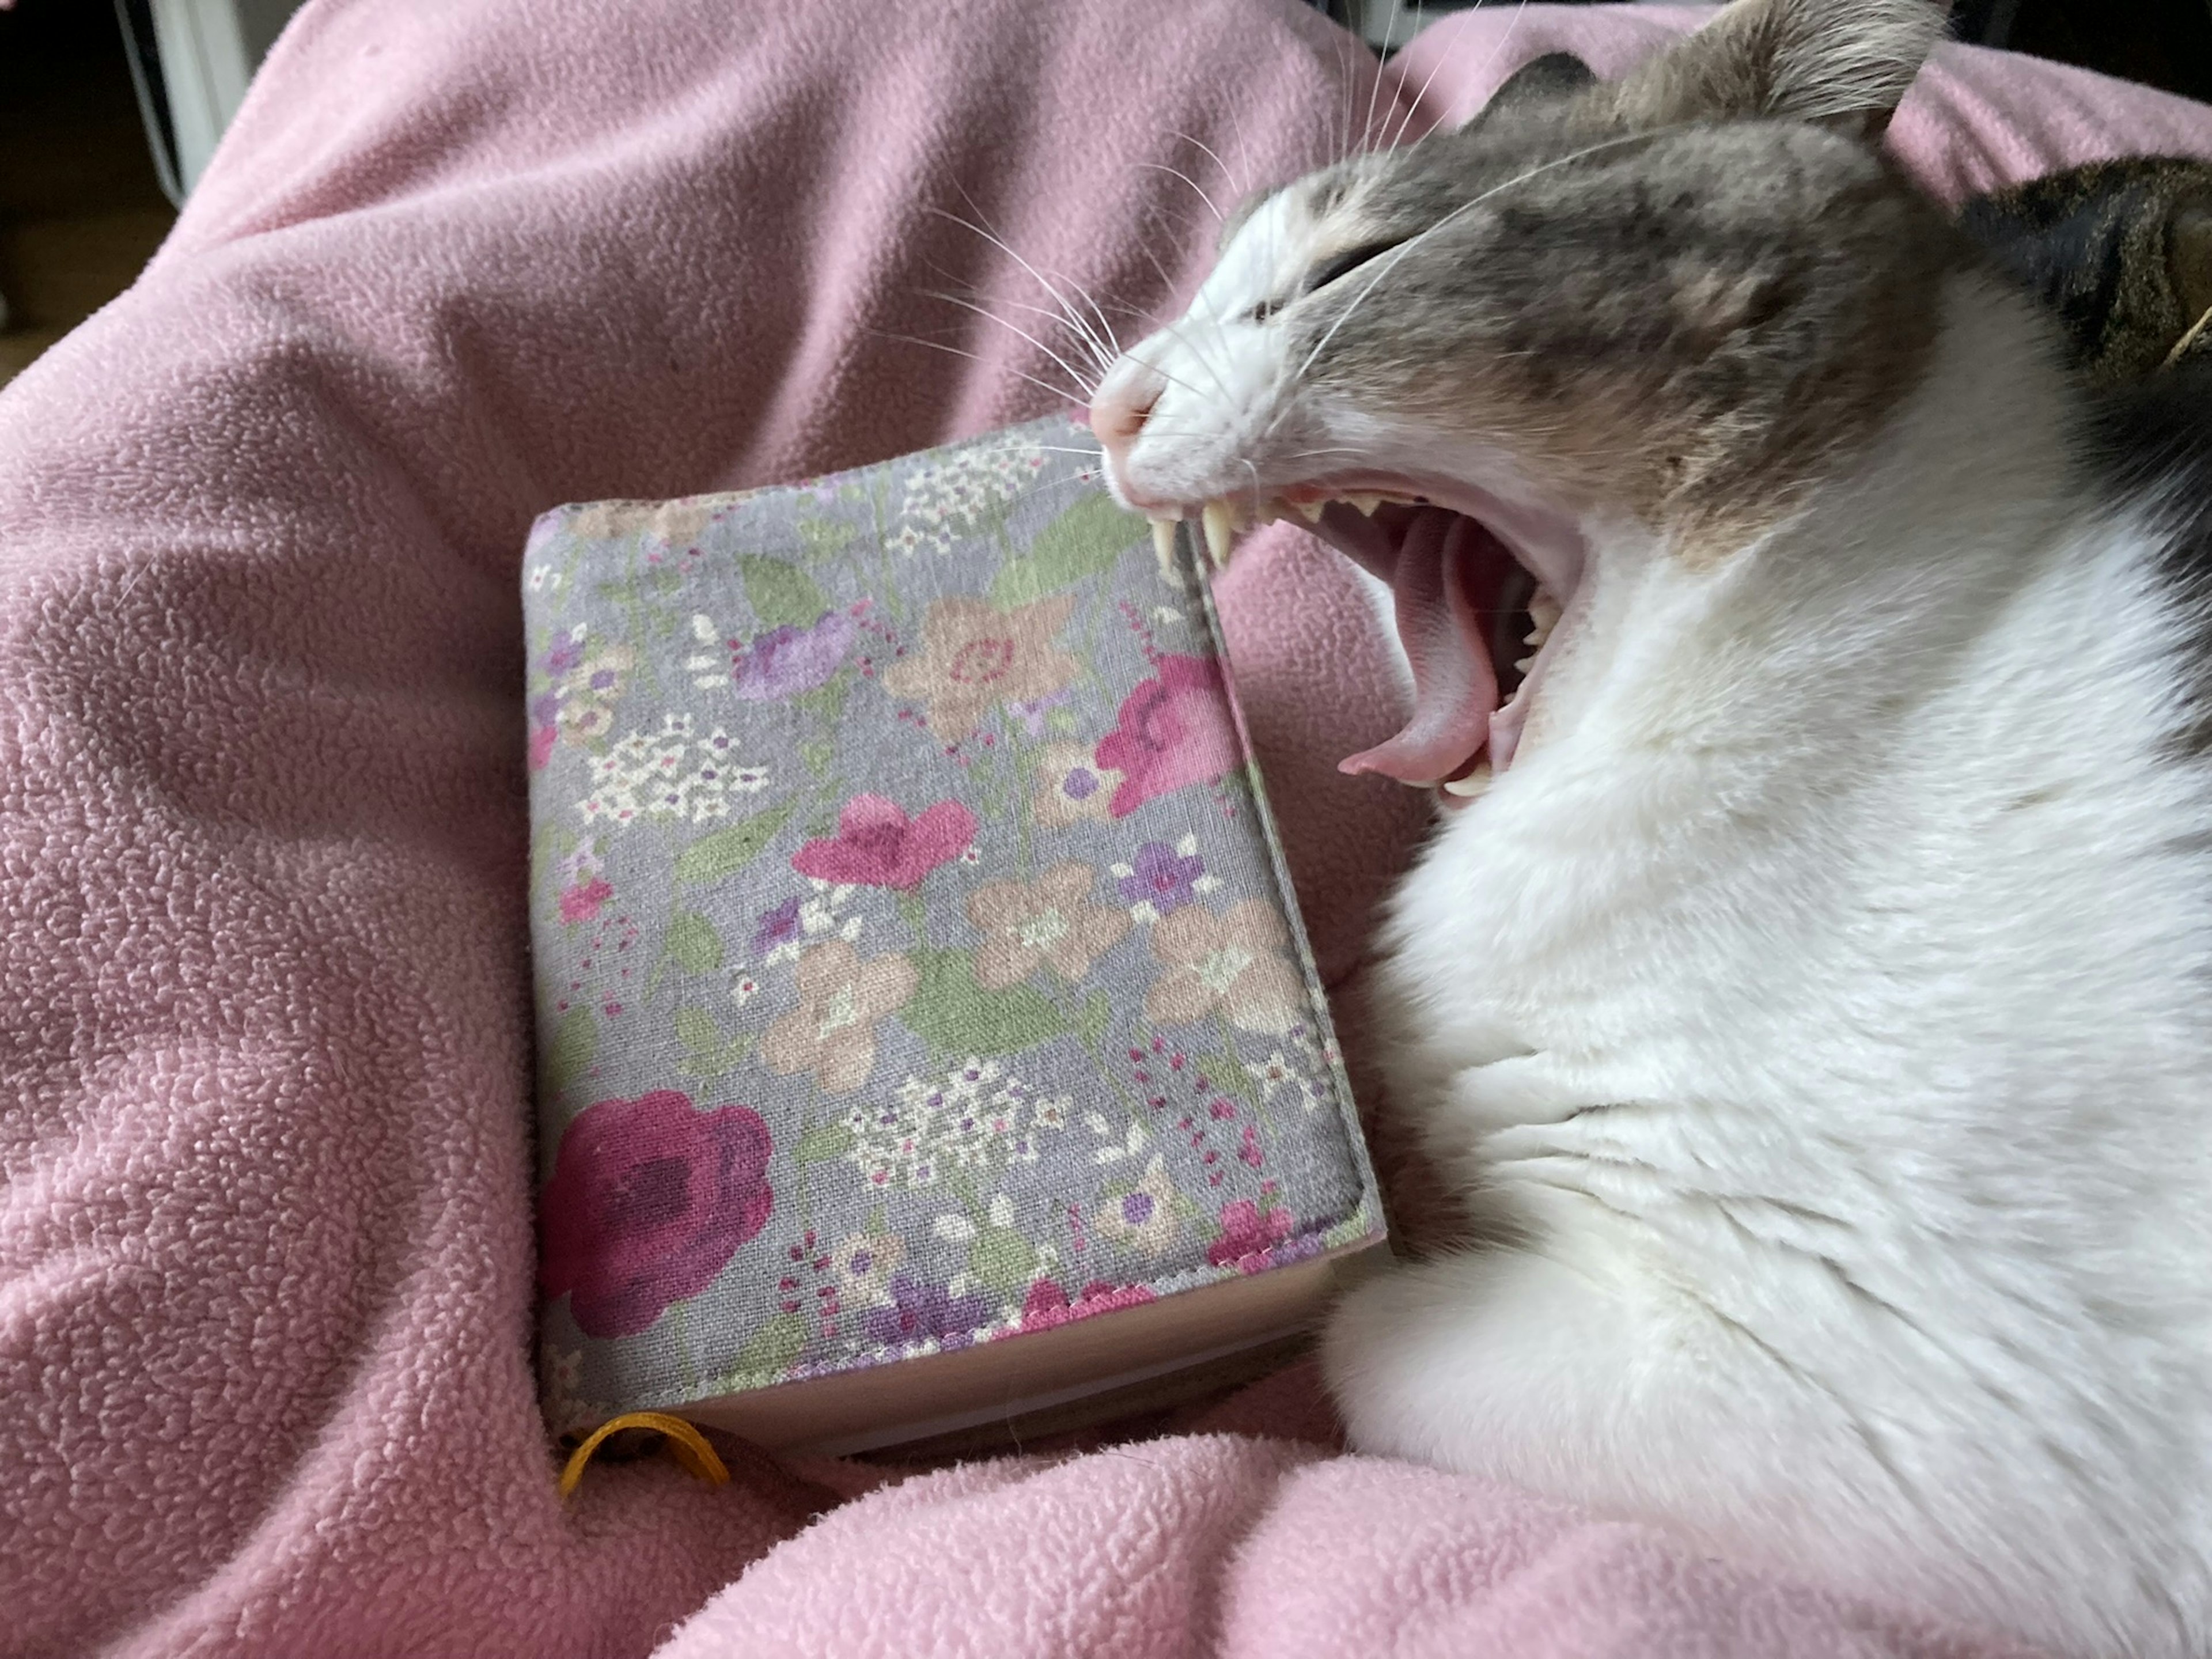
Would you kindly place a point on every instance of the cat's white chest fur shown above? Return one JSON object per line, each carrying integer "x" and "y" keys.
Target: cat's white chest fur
{"x": 1818, "y": 1012}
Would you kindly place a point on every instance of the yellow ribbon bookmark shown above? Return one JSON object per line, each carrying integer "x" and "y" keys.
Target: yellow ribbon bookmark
{"x": 685, "y": 1443}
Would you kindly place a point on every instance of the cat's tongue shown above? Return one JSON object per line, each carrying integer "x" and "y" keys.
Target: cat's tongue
{"x": 1442, "y": 573}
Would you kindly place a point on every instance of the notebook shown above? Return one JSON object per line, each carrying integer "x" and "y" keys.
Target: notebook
{"x": 927, "y": 1038}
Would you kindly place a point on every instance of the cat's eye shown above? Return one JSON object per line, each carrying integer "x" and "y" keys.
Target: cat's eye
{"x": 1347, "y": 262}
{"x": 1323, "y": 274}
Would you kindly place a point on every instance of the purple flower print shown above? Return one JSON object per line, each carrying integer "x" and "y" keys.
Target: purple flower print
{"x": 1159, "y": 874}
{"x": 922, "y": 1309}
{"x": 777, "y": 927}
{"x": 786, "y": 662}
{"x": 1081, "y": 783}
{"x": 565, "y": 655}
{"x": 1031, "y": 714}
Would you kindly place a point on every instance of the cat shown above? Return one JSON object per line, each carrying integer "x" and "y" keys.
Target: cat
{"x": 2120, "y": 250}
{"x": 1805, "y": 985}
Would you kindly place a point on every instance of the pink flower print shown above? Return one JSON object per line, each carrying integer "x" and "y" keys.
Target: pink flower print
{"x": 1247, "y": 1236}
{"x": 1173, "y": 730}
{"x": 877, "y": 845}
{"x": 649, "y": 1199}
{"x": 1048, "y": 1305}
{"x": 541, "y": 746}
{"x": 581, "y": 903}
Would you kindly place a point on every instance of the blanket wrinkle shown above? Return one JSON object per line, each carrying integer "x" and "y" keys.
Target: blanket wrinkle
{"x": 265, "y": 1177}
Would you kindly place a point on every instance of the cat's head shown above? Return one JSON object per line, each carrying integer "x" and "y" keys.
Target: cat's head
{"x": 1677, "y": 300}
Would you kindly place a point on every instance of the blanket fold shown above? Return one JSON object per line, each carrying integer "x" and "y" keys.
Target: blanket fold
{"x": 265, "y": 1206}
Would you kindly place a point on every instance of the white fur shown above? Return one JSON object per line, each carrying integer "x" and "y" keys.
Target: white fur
{"x": 1817, "y": 1008}
{"x": 1820, "y": 1001}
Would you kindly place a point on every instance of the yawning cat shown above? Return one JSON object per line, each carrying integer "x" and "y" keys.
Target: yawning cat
{"x": 1807, "y": 983}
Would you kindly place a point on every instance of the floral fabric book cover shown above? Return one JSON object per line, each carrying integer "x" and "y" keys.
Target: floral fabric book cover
{"x": 915, "y": 968}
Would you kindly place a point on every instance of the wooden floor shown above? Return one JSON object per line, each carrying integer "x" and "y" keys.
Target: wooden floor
{"x": 80, "y": 208}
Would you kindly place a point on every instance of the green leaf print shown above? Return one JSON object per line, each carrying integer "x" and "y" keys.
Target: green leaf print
{"x": 825, "y": 1145}
{"x": 568, "y": 1055}
{"x": 771, "y": 1352}
{"x": 955, "y": 1016}
{"x": 1227, "y": 1075}
{"x": 728, "y": 851}
{"x": 824, "y": 539}
{"x": 1002, "y": 1259}
{"x": 713, "y": 1062}
{"x": 1098, "y": 1010}
{"x": 1091, "y": 536}
{"x": 698, "y": 1031}
{"x": 825, "y": 702}
{"x": 694, "y": 945}
{"x": 783, "y": 595}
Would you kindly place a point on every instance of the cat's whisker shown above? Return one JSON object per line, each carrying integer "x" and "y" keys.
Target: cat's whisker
{"x": 1374, "y": 87}
{"x": 1413, "y": 106}
{"x": 1177, "y": 172}
{"x": 1061, "y": 393}
{"x": 974, "y": 299}
{"x": 1220, "y": 166}
{"x": 1004, "y": 247}
{"x": 1083, "y": 294}
{"x": 1089, "y": 386}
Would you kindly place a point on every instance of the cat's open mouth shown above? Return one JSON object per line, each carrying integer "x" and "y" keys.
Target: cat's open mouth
{"x": 1481, "y": 611}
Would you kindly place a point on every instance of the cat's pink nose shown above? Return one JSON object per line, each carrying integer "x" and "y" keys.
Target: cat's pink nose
{"x": 1119, "y": 411}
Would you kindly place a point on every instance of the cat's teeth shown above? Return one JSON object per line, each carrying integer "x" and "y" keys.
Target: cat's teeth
{"x": 1310, "y": 511}
{"x": 1472, "y": 785}
{"x": 1364, "y": 503}
{"x": 1527, "y": 662}
{"x": 1220, "y": 531}
{"x": 1544, "y": 611}
{"x": 1164, "y": 541}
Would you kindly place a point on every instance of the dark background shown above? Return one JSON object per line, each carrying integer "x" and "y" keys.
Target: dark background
{"x": 82, "y": 206}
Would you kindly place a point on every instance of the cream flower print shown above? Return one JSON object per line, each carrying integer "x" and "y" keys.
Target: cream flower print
{"x": 1071, "y": 787}
{"x": 832, "y": 1032}
{"x": 864, "y": 1263}
{"x": 1233, "y": 962}
{"x": 589, "y": 691}
{"x": 1049, "y": 921}
{"x": 566, "y": 1409}
{"x": 1144, "y": 1216}
{"x": 1276, "y": 1071}
{"x": 975, "y": 656}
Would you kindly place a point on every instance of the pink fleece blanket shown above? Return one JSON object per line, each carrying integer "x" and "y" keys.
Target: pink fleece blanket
{"x": 266, "y": 1251}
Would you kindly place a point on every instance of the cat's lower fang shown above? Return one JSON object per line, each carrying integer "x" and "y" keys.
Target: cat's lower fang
{"x": 1476, "y": 779}
{"x": 1164, "y": 541}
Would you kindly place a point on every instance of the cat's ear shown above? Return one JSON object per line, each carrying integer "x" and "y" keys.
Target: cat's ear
{"x": 1843, "y": 63}
{"x": 1554, "y": 75}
